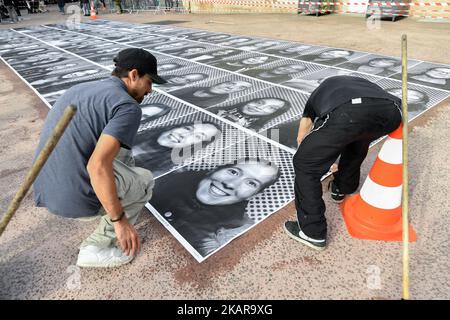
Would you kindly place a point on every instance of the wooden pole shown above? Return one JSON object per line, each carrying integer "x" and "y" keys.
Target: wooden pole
{"x": 38, "y": 164}
{"x": 405, "y": 170}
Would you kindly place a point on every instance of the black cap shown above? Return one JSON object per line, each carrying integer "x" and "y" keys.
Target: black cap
{"x": 141, "y": 60}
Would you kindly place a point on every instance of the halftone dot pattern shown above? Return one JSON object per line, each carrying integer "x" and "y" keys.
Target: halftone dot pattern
{"x": 417, "y": 75}
{"x": 273, "y": 197}
{"x": 178, "y": 109}
{"x": 209, "y": 72}
{"x": 431, "y": 96}
{"x": 309, "y": 68}
{"x": 359, "y": 64}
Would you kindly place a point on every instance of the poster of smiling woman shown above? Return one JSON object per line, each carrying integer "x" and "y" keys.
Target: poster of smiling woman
{"x": 209, "y": 202}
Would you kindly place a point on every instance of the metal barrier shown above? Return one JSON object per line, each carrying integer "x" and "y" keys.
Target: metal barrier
{"x": 156, "y": 6}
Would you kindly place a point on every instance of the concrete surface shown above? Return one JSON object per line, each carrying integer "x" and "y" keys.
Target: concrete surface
{"x": 38, "y": 250}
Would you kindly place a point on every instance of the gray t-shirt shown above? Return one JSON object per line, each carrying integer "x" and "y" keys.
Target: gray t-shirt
{"x": 104, "y": 107}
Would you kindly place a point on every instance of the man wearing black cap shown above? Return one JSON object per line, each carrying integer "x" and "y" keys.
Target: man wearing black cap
{"x": 91, "y": 172}
{"x": 341, "y": 118}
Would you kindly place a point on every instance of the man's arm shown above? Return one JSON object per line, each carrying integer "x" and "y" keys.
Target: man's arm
{"x": 304, "y": 128}
{"x": 100, "y": 169}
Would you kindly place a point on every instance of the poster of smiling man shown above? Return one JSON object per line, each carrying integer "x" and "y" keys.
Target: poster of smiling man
{"x": 208, "y": 203}
{"x": 283, "y": 70}
{"x": 310, "y": 82}
{"x": 164, "y": 147}
{"x": 420, "y": 98}
{"x": 178, "y": 79}
{"x": 383, "y": 66}
{"x": 330, "y": 56}
{"x": 210, "y": 93}
{"x": 244, "y": 61}
{"x": 430, "y": 75}
{"x": 263, "y": 109}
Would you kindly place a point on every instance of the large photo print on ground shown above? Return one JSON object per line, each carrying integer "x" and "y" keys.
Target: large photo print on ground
{"x": 220, "y": 135}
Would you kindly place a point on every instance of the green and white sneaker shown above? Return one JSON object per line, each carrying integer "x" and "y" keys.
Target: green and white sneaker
{"x": 294, "y": 231}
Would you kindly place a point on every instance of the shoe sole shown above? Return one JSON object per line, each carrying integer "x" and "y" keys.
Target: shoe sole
{"x": 303, "y": 241}
{"x": 111, "y": 265}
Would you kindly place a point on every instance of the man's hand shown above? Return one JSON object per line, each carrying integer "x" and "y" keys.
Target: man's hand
{"x": 127, "y": 237}
{"x": 304, "y": 128}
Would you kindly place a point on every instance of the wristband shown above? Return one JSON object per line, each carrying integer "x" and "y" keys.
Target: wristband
{"x": 119, "y": 218}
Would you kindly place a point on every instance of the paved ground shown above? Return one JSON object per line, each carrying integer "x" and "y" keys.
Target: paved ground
{"x": 38, "y": 250}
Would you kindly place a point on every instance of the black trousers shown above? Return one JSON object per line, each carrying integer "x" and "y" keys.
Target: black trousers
{"x": 346, "y": 131}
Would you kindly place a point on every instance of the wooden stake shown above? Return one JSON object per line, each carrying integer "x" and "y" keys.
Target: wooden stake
{"x": 38, "y": 164}
{"x": 405, "y": 170}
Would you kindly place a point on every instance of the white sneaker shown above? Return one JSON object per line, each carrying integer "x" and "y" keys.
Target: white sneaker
{"x": 95, "y": 257}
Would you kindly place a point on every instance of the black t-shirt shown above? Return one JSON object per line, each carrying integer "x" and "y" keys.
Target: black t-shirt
{"x": 338, "y": 90}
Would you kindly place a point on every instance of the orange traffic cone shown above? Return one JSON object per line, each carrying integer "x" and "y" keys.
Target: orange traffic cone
{"x": 376, "y": 212}
{"x": 93, "y": 13}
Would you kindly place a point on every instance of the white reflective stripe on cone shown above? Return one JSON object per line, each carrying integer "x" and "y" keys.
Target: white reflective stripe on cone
{"x": 391, "y": 151}
{"x": 381, "y": 197}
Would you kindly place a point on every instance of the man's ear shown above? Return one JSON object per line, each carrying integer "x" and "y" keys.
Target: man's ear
{"x": 133, "y": 75}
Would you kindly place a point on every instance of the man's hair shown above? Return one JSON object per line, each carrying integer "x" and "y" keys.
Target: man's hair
{"x": 120, "y": 72}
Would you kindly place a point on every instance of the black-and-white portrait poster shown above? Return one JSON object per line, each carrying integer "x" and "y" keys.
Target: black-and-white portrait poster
{"x": 311, "y": 81}
{"x": 213, "y": 37}
{"x": 262, "y": 109}
{"x": 208, "y": 203}
{"x": 178, "y": 79}
{"x": 420, "y": 98}
{"x": 373, "y": 64}
{"x": 210, "y": 93}
{"x": 291, "y": 50}
{"x": 285, "y": 132}
{"x": 168, "y": 65}
{"x": 259, "y": 45}
{"x": 187, "y": 51}
{"x": 48, "y": 57}
{"x": 158, "y": 108}
{"x": 282, "y": 70}
{"x": 164, "y": 147}
{"x": 172, "y": 45}
{"x": 244, "y": 61}
{"x": 235, "y": 41}
{"x": 429, "y": 74}
{"x": 68, "y": 77}
{"x": 330, "y": 56}
{"x": 210, "y": 57}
